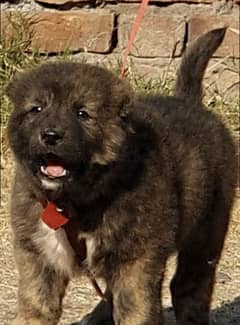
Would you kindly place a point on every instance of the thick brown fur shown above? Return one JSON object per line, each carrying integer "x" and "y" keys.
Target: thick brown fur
{"x": 146, "y": 176}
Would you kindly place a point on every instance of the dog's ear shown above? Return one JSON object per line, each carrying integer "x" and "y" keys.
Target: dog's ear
{"x": 18, "y": 88}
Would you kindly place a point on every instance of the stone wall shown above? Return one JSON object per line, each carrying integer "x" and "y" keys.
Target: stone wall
{"x": 97, "y": 31}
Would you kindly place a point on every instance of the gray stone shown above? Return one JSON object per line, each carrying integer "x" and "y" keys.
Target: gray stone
{"x": 158, "y": 36}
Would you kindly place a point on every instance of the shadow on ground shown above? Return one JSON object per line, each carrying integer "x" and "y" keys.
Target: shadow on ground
{"x": 227, "y": 314}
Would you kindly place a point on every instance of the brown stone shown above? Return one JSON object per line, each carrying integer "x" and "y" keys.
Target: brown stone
{"x": 70, "y": 30}
{"x": 158, "y": 36}
{"x": 201, "y": 24}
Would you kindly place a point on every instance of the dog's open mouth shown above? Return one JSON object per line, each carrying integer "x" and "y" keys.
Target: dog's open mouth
{"x": 52, "y": 173}
{"x": 53, "y": 170}
{"x": 53, "y": 167}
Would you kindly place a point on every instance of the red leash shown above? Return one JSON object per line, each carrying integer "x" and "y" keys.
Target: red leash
{"x": 134, "y": 30}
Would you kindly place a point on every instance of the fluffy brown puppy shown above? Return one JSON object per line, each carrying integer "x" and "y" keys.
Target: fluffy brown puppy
{"x": 138, "y": 177}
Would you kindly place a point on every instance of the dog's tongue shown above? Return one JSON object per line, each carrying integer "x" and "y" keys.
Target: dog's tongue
{"x": 55, "y": 170}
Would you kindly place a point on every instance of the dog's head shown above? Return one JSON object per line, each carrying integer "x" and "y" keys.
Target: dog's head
{"x": 67, "y": 118}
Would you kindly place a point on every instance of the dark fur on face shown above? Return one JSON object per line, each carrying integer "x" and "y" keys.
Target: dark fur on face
{"x": 138, "y": 177}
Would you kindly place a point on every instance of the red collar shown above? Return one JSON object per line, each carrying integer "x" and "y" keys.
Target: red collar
{"x": 53, "y": 217}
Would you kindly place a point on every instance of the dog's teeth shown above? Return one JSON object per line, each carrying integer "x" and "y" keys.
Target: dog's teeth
{"x": 43, "y": 170}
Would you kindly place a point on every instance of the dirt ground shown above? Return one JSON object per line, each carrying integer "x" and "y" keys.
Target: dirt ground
{"x": 81, "y": 297}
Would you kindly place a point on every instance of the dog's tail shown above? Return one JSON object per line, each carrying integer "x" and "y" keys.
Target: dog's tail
{"x": 194, "y": 63}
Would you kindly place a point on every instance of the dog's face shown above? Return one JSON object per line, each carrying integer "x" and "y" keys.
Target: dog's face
{"x": 67, "y": 118}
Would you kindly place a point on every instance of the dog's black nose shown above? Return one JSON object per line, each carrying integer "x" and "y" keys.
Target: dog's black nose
{"x": 51, "y": 136}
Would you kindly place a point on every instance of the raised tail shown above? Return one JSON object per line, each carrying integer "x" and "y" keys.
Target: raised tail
{"x": 194, "y": 63}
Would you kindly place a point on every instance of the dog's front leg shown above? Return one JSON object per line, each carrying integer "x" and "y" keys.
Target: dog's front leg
{"x": 40, "y": 292}
{"x": 136, "y": 294}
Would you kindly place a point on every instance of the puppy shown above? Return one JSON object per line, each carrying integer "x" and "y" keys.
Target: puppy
{"x": 110, "y": 183}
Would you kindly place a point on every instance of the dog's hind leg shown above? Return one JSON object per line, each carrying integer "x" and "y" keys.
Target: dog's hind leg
{"x": 193, "y": 282}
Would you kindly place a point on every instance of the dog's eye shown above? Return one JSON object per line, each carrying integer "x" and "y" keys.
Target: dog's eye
{"x": 36, "y": 109}
{"x": 81, "y": 113}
